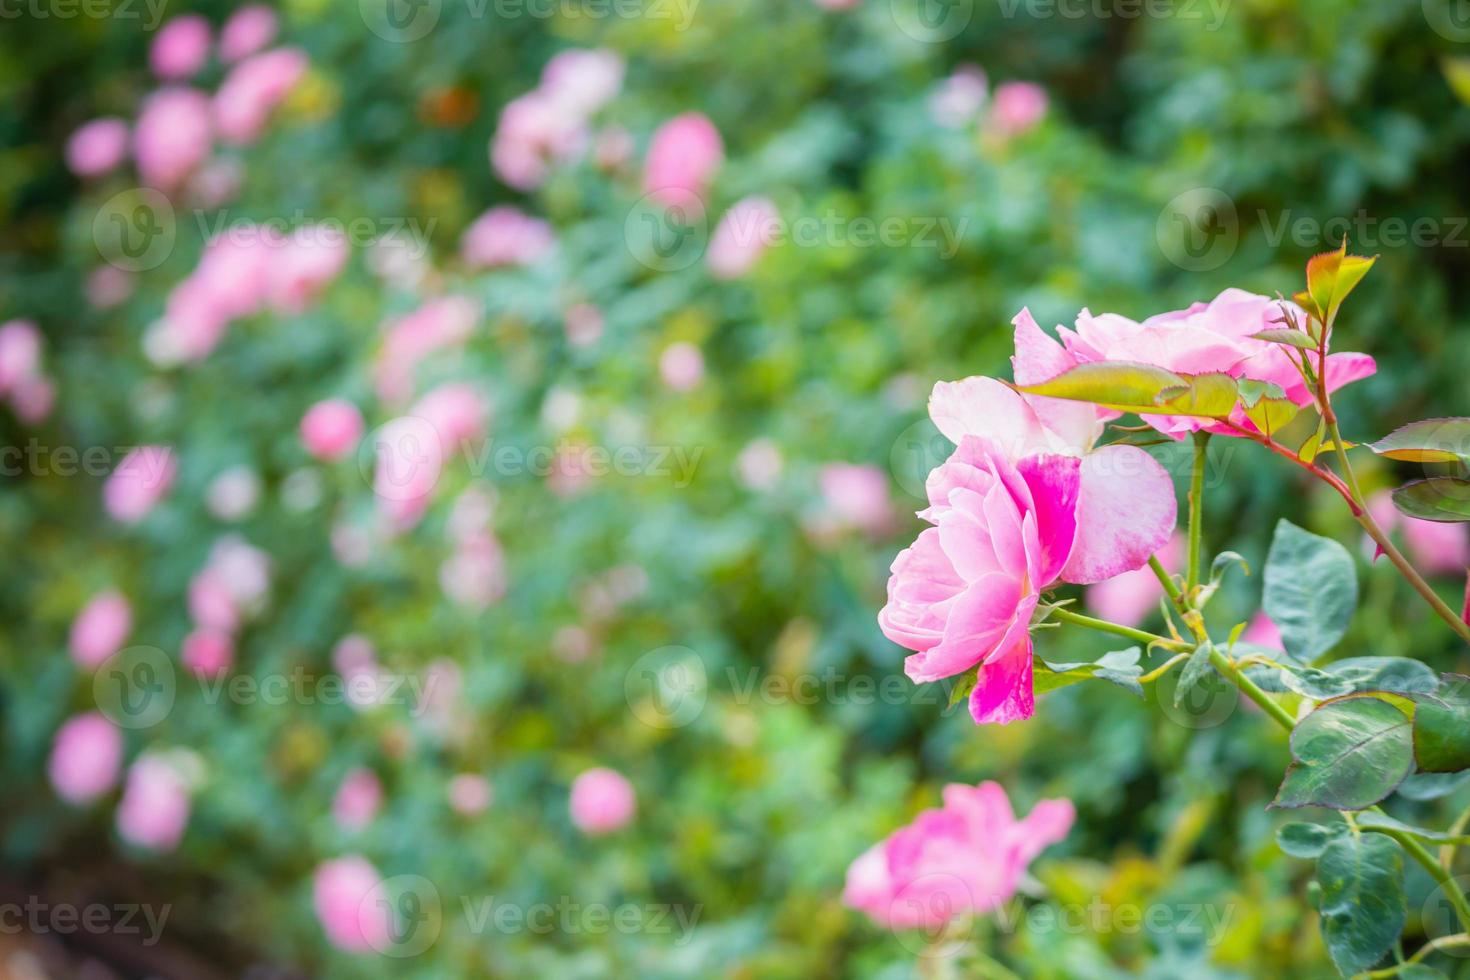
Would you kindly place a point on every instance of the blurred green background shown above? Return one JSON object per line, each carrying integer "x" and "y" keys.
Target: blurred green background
{"x": 752, "y": 801}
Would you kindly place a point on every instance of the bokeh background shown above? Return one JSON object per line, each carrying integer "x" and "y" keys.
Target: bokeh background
{"x": 708, "y": 629}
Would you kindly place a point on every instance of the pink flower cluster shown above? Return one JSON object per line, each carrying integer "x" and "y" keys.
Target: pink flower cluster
{"x": 506, "y": 236}
{"x": 140, "y": 481}
{"x": 230, "y": 589}
{"x": 965, "y": 858}
{"x": 439, "y": 324}
{"x": 549, "y": 125}
{"x": 1014, "y": 107}
{"x": 22, "y": 382}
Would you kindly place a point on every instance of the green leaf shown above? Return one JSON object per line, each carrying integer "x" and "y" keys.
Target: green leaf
{"x": 1418, "y": 971}
{"x": 1271, "y": 415}
{"x": 1306, "y": 840}
{"x": 1288, "y": 336}
{"x": 1311, "y": 590}
{"x": 1440, "y": 498}
{"x": 1332, "y": 275}
{"x": 1381, "y": 822}
{"x": 1432, "y": 785}
{"x": 1457, "y": 73}
{"x": 1427, "y": 441}
{"x": 1252, "y": 391}
{"x": 1204, "y": 395}
{"x": 1120, "y": 667}
{"x": 1349, "y": 755}
{"x": 1363, "y": 908}
{"x": 1442, "y": 727}
{"x": 1196, "y": 669}
{"x": 963, "y": 685}
{"x": 1120, "y": 385}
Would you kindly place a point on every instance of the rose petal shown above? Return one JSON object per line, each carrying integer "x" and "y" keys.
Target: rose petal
{"x": 1126, "y": 513}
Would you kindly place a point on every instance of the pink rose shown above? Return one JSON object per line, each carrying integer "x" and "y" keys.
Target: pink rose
{"x": 173, "y": 136}
{"x": 251, "y": 92}
{"x": 966, "y": 858}
{"x": 581, "y": 82}
{"x": 100, "y": 629}
{"x": 247, "y": 31}
{"x": 505, "y": 236}
{"x": 97, "y": 147}
{"x": 358, "y": 799}
{"x": 1017, "y": 107}
{"x": 20, "y": 353}
{"x": 208, "y": 652}
{"x": 682, "y": 157}
{"x": 331, "y": 429}
{"x": 534, "y": 132}
{"x": 304, "y": 265}
{"x": 155, "y": 805}
{"x": 470, "y": 794}
{"x": 85, "y": 758}
{"x": 437, "y": 325}
{"x": 140, "y": 481}
{"x": 759, "y": 464}
{"x": 602, "y": 801}
{"x": 181, "y": 48}
{"x": 857, "y": 496}
{"x": 960, "y": 97}
{"x": 474, "y": 576}
{"x": 750, "y": 227}
{"x": 681, "y": 365}
{"x": 343, "y": 890}
{"x": 108, "y": 286}
{"x": 1129, "y": 598}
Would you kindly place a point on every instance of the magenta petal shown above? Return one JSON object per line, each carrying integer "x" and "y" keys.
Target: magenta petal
{"x": 1055, "y": 483}
{"x": 1003, "y": 691}
{"x": 1126, "y": 513}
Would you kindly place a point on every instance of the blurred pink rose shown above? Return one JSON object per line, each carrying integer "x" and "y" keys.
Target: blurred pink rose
{"x": 438, "y": 324}
{"x": 233, "y": 494}
{"x": 409, "y": 458}
{"x": 534, "y": 132}
{"x": 1262, "y": 632}
{"x": 470, "y": 794}
{"x": 358, "y": 799}
{"x": 172, "y": 137}
{"x": 602, "y": 801}
{"x": 208, "y": 652}
{"x": 681, "y": 365}
{"x": 744, "y": 233}
{"x": 474, "y": 576}
{"x": 86, "y": 758}
{"x": 231, "y": 586}
{"x": 140, "y": 481}
{"x": 211, "y": 603}
{"x": 155, "y": 804}
{"x": 100, "y": 629}
{"x": 331, "y": 429}
{"x": 966, "y": 858}
{"x": 457, "y": 411}
{"x": 253, "y": 89}
{"x": 1129, "y": 598}
{"x": 1017, "y": 107}
{"x": 305, "y": 264}
{"x": 247, "y": 31}
{"x": 583, "y": 324}
{"x": 682, "y": 158}
{"x": 836, "y": 4}
{"x": 960, "y": 97}
{"x": 342, "y": 891}
{"x": 181, "y": 48}
{"x": 33, "y": 399}
{"x": 858, "y": 496}
{"x": 108, "y": 286}
{"x": 759, "y": 464}
{"x": 1435, "y": 547}
{"x": 581, "y": 82}
{"x": 612, "y": 147}
{"x": 216, "y": 183}
{"x": 20, "y": 353}
{"x": 505, "y": 236}
{"x": 97, "y": 147}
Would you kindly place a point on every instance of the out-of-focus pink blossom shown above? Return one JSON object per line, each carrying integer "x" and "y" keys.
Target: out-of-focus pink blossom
{"x": 682, "y": 158}
{"x": 248, "y": 30}
{"x": 744, "y": 233}
{"x": 208, "y": 652}
{"x": 581, "y": 82}
{"x": 438, "y": 324}
{"x": 681, "y": 365}
{"x": 570, "y": 472}
{"x": 1017, "y": 107}
{"x": 100, "y": 629}
{"x": 343, "y": 891}
{"x": 140, "y": 481}
{"x": 966, "y": 858}
{"x": 86, "y": 758}
{"x": 108, "y": 286}
{"x": 534, "y": 132}
{"x": 409, "y": 457}
{"x": 216, "y": 183}
{"x": 572, "y": 644}
{"x": 97, "y": 147}
{"x": 33, "y": 399}
{"x": 1129, "y": 598}
{"x": 1435, "y": 547}
{"x": 233, "y": 494}
{"x": 211, "y": 603}
{"x": 303, "y": 265}
{"x": 506, "y": 236}
{"x": 155, "y": 804}
{"x": 474, "y": 576}
{"x": 331, "y": 429}
{"x": 960, "y": 97}
{"x": 253, "y": 89}
{"x": 759, "y": 464}
{"x": 470, "y": 793}
{"x": 231, "y": 586}
{"x": 358, "y": 799}
{"x": 602, "y": 801}
{"x": 457, "y": 411}
{"x": 583, "y": 324}
{"x": 20, "y": 353}
{"x": 181, "y": 48}
{"x": 836, "y": 4}
{"x": 858, "y": 496}
{"x": 1262, "y": 632}
{"x": 172, "y": 137}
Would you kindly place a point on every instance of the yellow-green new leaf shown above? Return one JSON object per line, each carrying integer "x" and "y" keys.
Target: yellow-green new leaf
{"x": 1119, "y": 385}
{"x": 1204, "y": 395}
